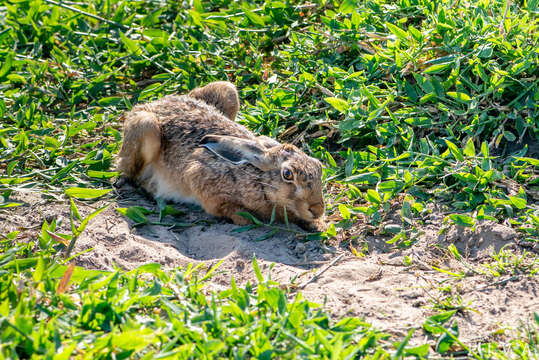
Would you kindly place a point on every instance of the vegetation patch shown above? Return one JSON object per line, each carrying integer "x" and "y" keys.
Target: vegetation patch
{"x": 423, "y": 112}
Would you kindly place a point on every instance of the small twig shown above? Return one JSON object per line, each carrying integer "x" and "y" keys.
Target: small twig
{"x": 319, "y": 273}
{"x": 324, "y": 90}
{"x": 158, "y": 65}
{"x": 305, "y": 263}
{"x": 500, "y": 282}
{"x": 57, "y": 238}
{"x": 280, "y": 39}
{"x": 502, "y": 24}
{"x": 110, "y": 22}
{"x": 242, "y": 13}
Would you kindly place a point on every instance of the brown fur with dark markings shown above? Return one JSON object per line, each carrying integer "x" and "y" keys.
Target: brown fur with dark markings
{"x": 162, "y": 150}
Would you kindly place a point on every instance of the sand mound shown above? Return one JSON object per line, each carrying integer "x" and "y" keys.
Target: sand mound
{"x": 392, "y": 289}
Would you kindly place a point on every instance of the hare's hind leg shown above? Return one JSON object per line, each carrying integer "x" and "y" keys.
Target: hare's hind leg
{"x": 221, "y": 94}
{"x": 141, "y": 143}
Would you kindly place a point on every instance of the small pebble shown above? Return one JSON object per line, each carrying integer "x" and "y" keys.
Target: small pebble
{"x": 300, "y": 248}
{"x": 240, "y": 265}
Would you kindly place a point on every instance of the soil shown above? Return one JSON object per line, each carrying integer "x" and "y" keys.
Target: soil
{"x": 391, "y": 288}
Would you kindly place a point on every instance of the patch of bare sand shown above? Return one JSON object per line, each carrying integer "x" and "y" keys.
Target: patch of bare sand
{"x": 392, "y": 289}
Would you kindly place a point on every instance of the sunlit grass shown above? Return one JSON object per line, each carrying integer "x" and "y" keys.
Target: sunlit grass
{"x": 406, "y": 103}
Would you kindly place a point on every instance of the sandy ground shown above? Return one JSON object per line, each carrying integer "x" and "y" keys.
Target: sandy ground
{"x": 389, "y": 287}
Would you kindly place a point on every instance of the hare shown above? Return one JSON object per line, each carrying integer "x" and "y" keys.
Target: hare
{"x": 189, "y": 148}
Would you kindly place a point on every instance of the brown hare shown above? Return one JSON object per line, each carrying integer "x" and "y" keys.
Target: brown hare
{"x": 188, "y": 148}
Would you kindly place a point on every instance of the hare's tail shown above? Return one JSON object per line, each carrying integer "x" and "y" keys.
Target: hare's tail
{"x": 221, "y": 94}
{"x": 141, "y": 144}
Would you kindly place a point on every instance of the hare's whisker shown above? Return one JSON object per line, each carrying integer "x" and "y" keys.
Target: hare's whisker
{"x": 271, "y": 186}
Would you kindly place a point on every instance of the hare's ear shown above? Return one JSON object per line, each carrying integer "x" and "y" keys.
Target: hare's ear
{"x": 267, "y": 142}
{"x": 238, "y": 151}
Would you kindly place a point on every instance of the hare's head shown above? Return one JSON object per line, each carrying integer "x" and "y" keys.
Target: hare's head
{"x": 294, "y": 177}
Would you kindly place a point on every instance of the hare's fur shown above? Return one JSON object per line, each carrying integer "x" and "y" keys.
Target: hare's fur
{"x": 185, "y": 148}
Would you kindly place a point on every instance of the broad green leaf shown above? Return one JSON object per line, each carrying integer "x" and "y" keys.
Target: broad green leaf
{"x": 6, "y": 66}
{"x": 20, "y": 264}
{"x": 485, "y": 51}
{"x": 454, "y": 150}
{"x": 453, "y": 249}
{"x": 150, "y": 90}
{"x": 437, "y": 68}
{"x": 135, "y": 213}
{"x": 257, "y": 271}
{"x": 102, "y": 174}
{"x": 16, "y": 78}
{"x": 85, "y": 193}
{"x": 267, "y": 235}
{"x": 249, "y": 216}
{"x": 462, "y": 220}
{"x": 390, "y": 186}
{"x": 447, "y": 339}
{"x": 518, "y": 202}
{"x": 509, "y": 136}
{"x": 370, "y": 178}
{"x": 331, "y": 230}
{"x": 133, "y": 339}
{"x": 402, "y": 345}
{"x": 347, "y": 6}
{"x": 244, "y": 228}
{"x": 392, "y": 228}
{"x": 338, "y": 104}
{"x": 415, "y": 33}
{"x": 469, "y": 148}
{"x": 10, "y": 204}
{"x": 198, "y": 6}
{"x": 110, "y": 100}
{"x": 395, "y": 239}
{"x": 74, "y": 211}
{"x": 64, "y": 171}
{"x": 459, "y": 96}
{"x": 373, "y": 196}
{"x": 130, "y": 45}
{"x": 531, "y": 161}
{"x": 87, "y": 219}
{"x": 372, "y": 99}
{"x": 66, "y": 352}
{"x": 39, "y": 272}
{"x": 420, "y": 351}
{"x": 345, "y": 213}
{"x": 433, "y": 324}
{"x": 348, "y": 324}
{"x": 397, "y": 31}
{"x": 484, "y": 149}
{"x": 426, "y": 98}
{"x": 255, "y": 18}
{"x": 212, "y": 270}
{"x": 196, "y": 18}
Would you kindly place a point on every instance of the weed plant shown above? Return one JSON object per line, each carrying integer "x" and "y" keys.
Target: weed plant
{"x": 413, "y": 103}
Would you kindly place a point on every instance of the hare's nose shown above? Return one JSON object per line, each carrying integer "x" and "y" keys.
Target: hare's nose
{"x": 317, "y": 209}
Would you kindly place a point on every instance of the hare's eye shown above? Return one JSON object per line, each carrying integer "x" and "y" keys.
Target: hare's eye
{"x": 287, "y": 174}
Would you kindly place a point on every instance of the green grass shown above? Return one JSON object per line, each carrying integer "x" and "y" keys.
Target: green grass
{"x": 170, "y": 316}
{"x": 152, "y": 314}
{"x": 406, "y": 102}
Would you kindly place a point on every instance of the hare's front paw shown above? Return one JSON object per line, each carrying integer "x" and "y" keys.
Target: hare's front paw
{"x": 318, "y": 225}
{"x": 240, "y": 220}
{"x": 225, "y": 209}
